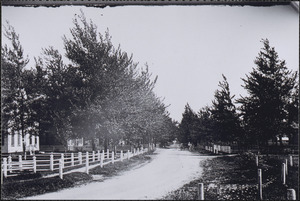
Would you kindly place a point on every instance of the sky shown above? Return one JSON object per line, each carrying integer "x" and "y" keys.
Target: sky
{"x": 187, "y": 47}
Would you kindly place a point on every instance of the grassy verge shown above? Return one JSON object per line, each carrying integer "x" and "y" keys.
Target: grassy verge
{"x": 235, "y": 178}
{"x": 34, "y": 184}
{"x": 30, "y": 187}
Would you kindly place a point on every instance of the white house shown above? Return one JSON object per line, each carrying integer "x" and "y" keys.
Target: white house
{"x": 74, "y": 144}
{"x": 14, "y": 143}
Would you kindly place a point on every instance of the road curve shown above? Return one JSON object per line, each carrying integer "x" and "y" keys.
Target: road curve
{"x": 169, "y": 170}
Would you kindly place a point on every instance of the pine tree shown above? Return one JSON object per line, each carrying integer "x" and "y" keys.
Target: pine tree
{"x": 206, "y": 125}
{"x": 225, "y": 118}
{"x": 269, "y": 86}
{"x": 188, "y": 126}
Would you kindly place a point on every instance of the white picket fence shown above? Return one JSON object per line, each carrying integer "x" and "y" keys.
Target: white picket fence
{"x": 218, "y": 148}
{"x": 60, "y": 161}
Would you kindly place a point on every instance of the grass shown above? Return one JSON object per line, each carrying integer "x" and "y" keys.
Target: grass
{"x": 29, "y": 184}
{"x": 31, "y": 187}
{"x": 235, "y": 178}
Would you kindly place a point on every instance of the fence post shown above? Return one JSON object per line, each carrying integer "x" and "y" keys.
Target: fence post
{"x": 72, "y": 159}
{"x": 51, "y": 162}
{"x": 63, "y": 159}
{"x": 200, "y": 191}
{"x": 9, "y": 164}
{"x": 128, "y": 155}
{"x": 291, "y": 160}
{"x": 121, "y": 155}
{"x": 87, "y": 162}
{"x": 103, "y": 153}
{"x": 98, "y": 154}
{"x": 283, "y": 173}
{"x": 134, "y": 151}
{"x": 260, "y": 184}
{"x": 286, "y": 166}
{"x": 93, "y": 156}
{"x": 291, "y": 194}
{"x": 5, "y": 167}
{"x": 25, "y": 155}
{"x": 101, "y": 161}
{"x": 61, "y": 162}
{"x": 80, "y": 157}
{"x": 107, "y": 153}
{"x": 34, "y": 164}
{"x": 256, "y": 160}
{"x": 20, "y": 162}
{"x": 112, "y": 157}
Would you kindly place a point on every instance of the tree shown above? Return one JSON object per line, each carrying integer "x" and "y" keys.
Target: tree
{"x": 225, "y": 118}
{"x": 188, "y": 126}
{"x": 114, "y": 100}
{"x": 101, "y": 93}
{"x": 270, "y": 89}
{"x": 14, "y": 107}
{"x": 206, "y": 125}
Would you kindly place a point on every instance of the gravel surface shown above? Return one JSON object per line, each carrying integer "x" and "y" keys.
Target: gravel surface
{"x": 169, "y": 170}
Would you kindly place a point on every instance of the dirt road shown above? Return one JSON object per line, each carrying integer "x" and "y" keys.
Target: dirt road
{"x": 169, "y": 170}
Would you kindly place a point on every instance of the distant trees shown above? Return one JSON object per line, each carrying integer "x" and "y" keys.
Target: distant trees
{"x": 217, "y": 123}
{"x": 100, "y": 93}
{"x": 188, "y": 127}
{"x": 269, "y": 111}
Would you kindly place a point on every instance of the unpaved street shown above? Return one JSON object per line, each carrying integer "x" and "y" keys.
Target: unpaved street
{"x": 169, "y": 170}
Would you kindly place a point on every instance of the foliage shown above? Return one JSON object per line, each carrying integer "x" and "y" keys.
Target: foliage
{"x": 225, "y": 119}
{"x": 101, "y": 93}
{"x": 269, "y": 111}
{"x": 270, "y": 87}
{"x": 15, "y": 111}
{"x": 188, "y": 126}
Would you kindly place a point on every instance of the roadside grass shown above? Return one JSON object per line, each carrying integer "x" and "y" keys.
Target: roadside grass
{"x": 31, "y": 187}
{"x": 235, "y": 178}
{"x": 29, "y": 184}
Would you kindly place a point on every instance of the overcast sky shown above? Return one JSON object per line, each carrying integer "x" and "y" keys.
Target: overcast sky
{"x": 187, "y": 47}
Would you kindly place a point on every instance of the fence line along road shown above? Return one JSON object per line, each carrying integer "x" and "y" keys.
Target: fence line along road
{"x": 67, "y": 162}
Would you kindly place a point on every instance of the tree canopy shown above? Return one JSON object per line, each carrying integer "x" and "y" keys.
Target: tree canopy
{"x": 269, "y": 112}
{"x": 94, "y": 91}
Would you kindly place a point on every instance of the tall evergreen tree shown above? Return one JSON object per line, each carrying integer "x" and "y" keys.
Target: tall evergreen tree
{"x": 225, "y": 118}
{"x": 270, "y": 86}
{"x": 188, "y": 126}
{"x": 206, "y": 125}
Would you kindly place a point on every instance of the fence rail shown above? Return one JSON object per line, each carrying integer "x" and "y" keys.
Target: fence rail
{"x": 58, "y": 161}
{"x": 219, "y": 148}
